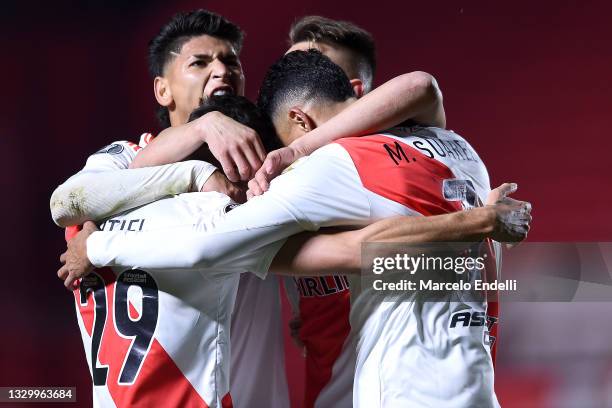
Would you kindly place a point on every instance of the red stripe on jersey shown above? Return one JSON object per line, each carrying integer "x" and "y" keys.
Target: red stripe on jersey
{"x": 393, "y": 170}
{"x": 397, "y": 171}
{"x": 159, "y": 378}
{"x": 133, "y": 312}
{"x": 325, "y": 327}
{"x": 87, "y": 311}
{"x": 226, "y": 402}
{"x": 134, "y": 146}
{"x": 401, "y": 173}
{"x": 70, "y": 232}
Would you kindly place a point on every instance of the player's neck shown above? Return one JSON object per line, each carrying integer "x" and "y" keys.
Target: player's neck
{"x": 323, "y": 113}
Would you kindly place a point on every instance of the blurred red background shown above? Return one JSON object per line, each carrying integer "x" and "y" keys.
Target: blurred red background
{"x": 526, "y": 82}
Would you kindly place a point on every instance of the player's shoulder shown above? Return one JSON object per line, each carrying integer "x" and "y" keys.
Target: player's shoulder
{"x": 322, "y": 160}
{"x": 116, "y": 155}
{"x": 118, "y": 147}
{"x": 145, "y": 139}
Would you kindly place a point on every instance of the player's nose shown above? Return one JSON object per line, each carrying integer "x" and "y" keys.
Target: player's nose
{"x": 220, "y": 70}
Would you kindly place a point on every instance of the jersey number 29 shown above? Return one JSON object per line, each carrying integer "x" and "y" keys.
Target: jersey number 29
{"x": 139, "y": 330}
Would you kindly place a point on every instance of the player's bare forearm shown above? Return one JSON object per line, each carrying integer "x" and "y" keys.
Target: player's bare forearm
{"x": 334, "y": 252}
{"x": 328, "y": 252}
{"x": 412, "y": 96}
{"x": 236, "y": 147}
{"x": 463, "y": 226}
{"x": 170, "y": 146}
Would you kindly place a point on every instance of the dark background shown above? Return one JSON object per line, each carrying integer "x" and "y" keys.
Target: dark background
{"x": 528, "y": 83}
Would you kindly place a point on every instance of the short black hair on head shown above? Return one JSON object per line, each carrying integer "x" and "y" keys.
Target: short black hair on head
{"x": 301, "y": 76}
{"x": 344, "y": 33}
{"x": 180, "y": 29}
{"x": 243, "y": 111}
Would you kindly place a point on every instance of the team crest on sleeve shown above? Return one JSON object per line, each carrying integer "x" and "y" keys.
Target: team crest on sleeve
{"x": 459, "y": 190}
{"x": 230, "y": 207}
{"x": 111, "y": 149}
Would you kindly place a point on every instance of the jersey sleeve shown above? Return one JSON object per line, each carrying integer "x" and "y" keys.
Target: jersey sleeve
{"x": 105, "y": 186}
{"x": 323, "y": 190}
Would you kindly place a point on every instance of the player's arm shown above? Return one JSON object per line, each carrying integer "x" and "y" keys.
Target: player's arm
{"x": 323, "y": 190}
{"x": 105, "y": 186}
{"x": 414, "y": 96}
{"x": 331, "y": 253}
{"x": 308, "y": 254}
{"x": 237, "y": 147}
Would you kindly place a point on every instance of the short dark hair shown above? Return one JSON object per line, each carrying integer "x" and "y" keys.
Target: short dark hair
{"x": 344, "y": 33}
{"x": 302, "y": 76}
{"x": 243, "y": 111}
{"x": 180, "y": 29}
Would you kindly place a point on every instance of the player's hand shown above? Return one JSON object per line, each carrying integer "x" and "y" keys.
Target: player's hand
{"x": 295, "y": 324}
{"x": 237, "y": 147}
{"x": 76, "y": 264}
{"x": 512, "y": 217}
{"x": 219, "y": 183}
{"x": 276, "y": 161}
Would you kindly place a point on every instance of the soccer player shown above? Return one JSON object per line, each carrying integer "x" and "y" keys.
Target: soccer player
{"x": 154, "y": 336}
{"x": 413, "y": 96}
{"x": 194, "y": 56}
{"x": 339, "y": 184}
{"x": 321, "y": 305}
{"x": 189, "y": 64}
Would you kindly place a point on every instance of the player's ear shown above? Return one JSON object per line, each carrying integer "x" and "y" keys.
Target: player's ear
{"x": 163, "y": 94}
{"x": 301, "y": 120}
{"x": 357, "y": 85}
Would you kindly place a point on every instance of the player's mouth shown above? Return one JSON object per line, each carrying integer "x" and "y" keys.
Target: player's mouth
{"x": 222, "y": 90}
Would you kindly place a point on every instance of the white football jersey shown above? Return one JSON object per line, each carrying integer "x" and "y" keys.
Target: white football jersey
{"x": 188, "y": 363}
{"x": 160, "y": 336}
{"x": 352, "y": 182}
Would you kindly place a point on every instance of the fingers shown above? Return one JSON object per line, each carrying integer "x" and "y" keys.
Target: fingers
{"x": 507, "y": 188}
{"x": 70, "y": 282}
{"x": 252, "y": 157}
{"x": 241, "y": 164}
{"x": 70, "y": 279}
{"x": 500, "y": 192}
{"x": 254, "y": 188}
{"x": 251, "y": 145}
{"x": 89, "y": 226}
{"x": 527, "y": 207}
{"x": 62, "y": 272}
{"x": 228, "y": 166}
{"x": 259, "y": 184}
{"x": 259, "y": 149}
{"x": 63, "y": 257}
{"x": 262, "y": 179}
{"x": 272, "y": 164}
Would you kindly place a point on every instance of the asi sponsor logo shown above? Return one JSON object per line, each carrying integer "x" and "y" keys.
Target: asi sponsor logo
{"x": 475, "y": 319}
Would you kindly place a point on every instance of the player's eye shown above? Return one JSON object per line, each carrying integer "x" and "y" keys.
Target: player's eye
{"x": 198, "y": 63}
{"x": 231, "y": 62}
